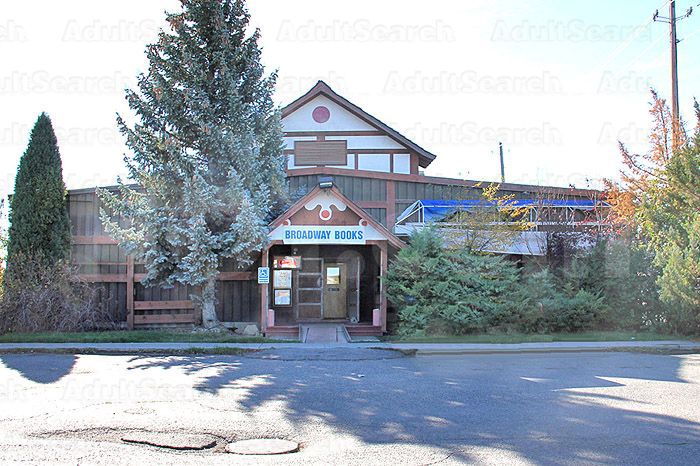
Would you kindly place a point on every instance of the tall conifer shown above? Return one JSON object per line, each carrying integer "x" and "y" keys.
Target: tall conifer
{"x": 39, "y": 222}
{"x": 206, "y": 151}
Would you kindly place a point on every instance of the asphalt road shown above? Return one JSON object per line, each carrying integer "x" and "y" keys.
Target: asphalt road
{"x": 353, "y": 406}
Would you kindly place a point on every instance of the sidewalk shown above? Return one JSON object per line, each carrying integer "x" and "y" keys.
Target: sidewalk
{"x": 418, "y": 348}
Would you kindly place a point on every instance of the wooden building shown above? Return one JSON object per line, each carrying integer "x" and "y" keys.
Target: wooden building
{"x": 353, "y": 177}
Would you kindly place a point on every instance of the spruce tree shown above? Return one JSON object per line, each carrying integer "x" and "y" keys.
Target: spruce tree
{"x": 206, "y": 152}
{"x": 39, "y": 222}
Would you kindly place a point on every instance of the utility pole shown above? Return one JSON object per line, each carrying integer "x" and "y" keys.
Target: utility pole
{"x": 674, "y": 61}
{"x": 503, "y": 169}
{"x": 672, "y": 19}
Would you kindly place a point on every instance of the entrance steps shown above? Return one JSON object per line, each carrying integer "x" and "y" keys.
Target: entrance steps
{"x": 363, "y": 330}
{"x": 284, "y": 332}
{"x": 363, "y": 333}
{"x": 324, "y": 333}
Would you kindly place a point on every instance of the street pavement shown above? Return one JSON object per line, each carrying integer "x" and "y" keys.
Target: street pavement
{"x": 354, "y": 405}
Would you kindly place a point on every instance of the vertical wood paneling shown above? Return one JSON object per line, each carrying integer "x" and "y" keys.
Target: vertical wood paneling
{"x": 237, "y": 301}
{"x": 245, "y": 300}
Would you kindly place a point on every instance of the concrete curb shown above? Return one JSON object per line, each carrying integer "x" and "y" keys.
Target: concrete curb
{"x": 422, "y": 349}
{"x": 553, "y": 347}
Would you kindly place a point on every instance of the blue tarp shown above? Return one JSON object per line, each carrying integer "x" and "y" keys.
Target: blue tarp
{"x": 435, "y": 210}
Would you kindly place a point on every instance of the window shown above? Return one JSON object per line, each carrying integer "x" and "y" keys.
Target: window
{"x": 402, "y": 163}
{"x": 373, "y": 162}
{"x": 333, "y": 276}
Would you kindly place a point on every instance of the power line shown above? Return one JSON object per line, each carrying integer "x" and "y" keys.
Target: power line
{"x": 644, "y": 53}
{"x": 630, "y": 39}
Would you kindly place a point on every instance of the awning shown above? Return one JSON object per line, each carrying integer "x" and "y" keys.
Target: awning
{"x": 433, "y": 210}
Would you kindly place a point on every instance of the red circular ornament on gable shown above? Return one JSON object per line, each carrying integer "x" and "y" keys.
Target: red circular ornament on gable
{"x": 321, "y": 114}
{"x": 325, "y": 214}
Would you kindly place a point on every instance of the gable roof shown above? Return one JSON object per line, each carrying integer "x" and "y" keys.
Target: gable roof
{"x": 298, "y": 205}
{"x": 321, "y": 88}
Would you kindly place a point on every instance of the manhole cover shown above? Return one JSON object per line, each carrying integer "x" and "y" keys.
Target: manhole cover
{"x": 262, "y": 446}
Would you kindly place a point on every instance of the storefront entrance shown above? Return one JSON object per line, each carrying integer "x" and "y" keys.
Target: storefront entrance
{"x": 324, "y": 263}
{"x": 324, "y": 283}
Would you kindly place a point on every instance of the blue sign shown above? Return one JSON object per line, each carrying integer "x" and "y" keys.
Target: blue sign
{"x": 263, "y": 275}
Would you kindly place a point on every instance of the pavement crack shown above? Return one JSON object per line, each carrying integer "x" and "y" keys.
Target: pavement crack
{"x": 441, "y": 460}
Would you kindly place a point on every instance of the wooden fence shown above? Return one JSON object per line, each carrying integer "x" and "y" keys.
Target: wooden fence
{"x": 236, "y": 291}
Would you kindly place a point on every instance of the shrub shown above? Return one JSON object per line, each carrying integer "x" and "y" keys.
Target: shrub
{"x": 535, "y": 298}
{"x": 541, "y": 305}
{"x": 438, "y": 290}
{"x": 607, "y": 285}
{"x": 631, "y": 290}
{"x": 48, "y": 297}
{"x": 574, "y": 311}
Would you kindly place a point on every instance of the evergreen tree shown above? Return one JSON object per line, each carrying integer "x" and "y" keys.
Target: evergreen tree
{"x": 207, "y": 152}
{"x": 39, "y": 222}
{"x": 670, "y": 218}
{"x": 661, "y": 189}
{"x": 3, "y": 248}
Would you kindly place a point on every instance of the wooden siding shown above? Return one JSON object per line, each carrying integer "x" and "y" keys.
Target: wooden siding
{"x": 103, "y": 263}
{"x": 378, "y": 214}
{"x": 237, "y": 301}
{"x": 357, "y": 189}
{"x": 85, "y": 214}
{"x": 384, "y": 200}
{"x": 111, "y": 297}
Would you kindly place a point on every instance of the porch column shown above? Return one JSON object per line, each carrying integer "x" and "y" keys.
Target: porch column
{"x": 130, "y": 292}
{"x": 383, "y": 259}
{"x": 264, "y": 292}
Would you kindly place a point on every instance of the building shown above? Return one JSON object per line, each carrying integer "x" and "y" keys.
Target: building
{"x": 360, "y": 191}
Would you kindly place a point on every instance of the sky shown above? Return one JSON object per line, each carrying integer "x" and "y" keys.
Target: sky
{"x": 559, "y": 83}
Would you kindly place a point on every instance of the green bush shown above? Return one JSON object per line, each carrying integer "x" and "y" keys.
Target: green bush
{"x": 541, "y": 304}
{"x": 575, "y": 311}
{"x": 611, "y": 285}
{"x": 536, "y": 295}
{"x": 447, "y": 291}
{"x": 631, "y": 291}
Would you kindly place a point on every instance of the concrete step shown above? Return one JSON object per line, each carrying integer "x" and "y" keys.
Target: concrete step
{"x": 290, "y": 332}
{"x": 363, "y": 330}
{"x": 324, "y": 333}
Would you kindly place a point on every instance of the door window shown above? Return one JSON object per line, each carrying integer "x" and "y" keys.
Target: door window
{"x": 333, "y": 275}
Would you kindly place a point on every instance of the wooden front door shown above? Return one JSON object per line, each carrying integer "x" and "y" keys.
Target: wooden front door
{"x": 335, "y": 291}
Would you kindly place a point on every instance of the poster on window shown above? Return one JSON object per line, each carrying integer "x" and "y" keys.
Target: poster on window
{"x": 286, "y": 262}
{"x": 283, "y": 297}
{"x": 283, "y": 279}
